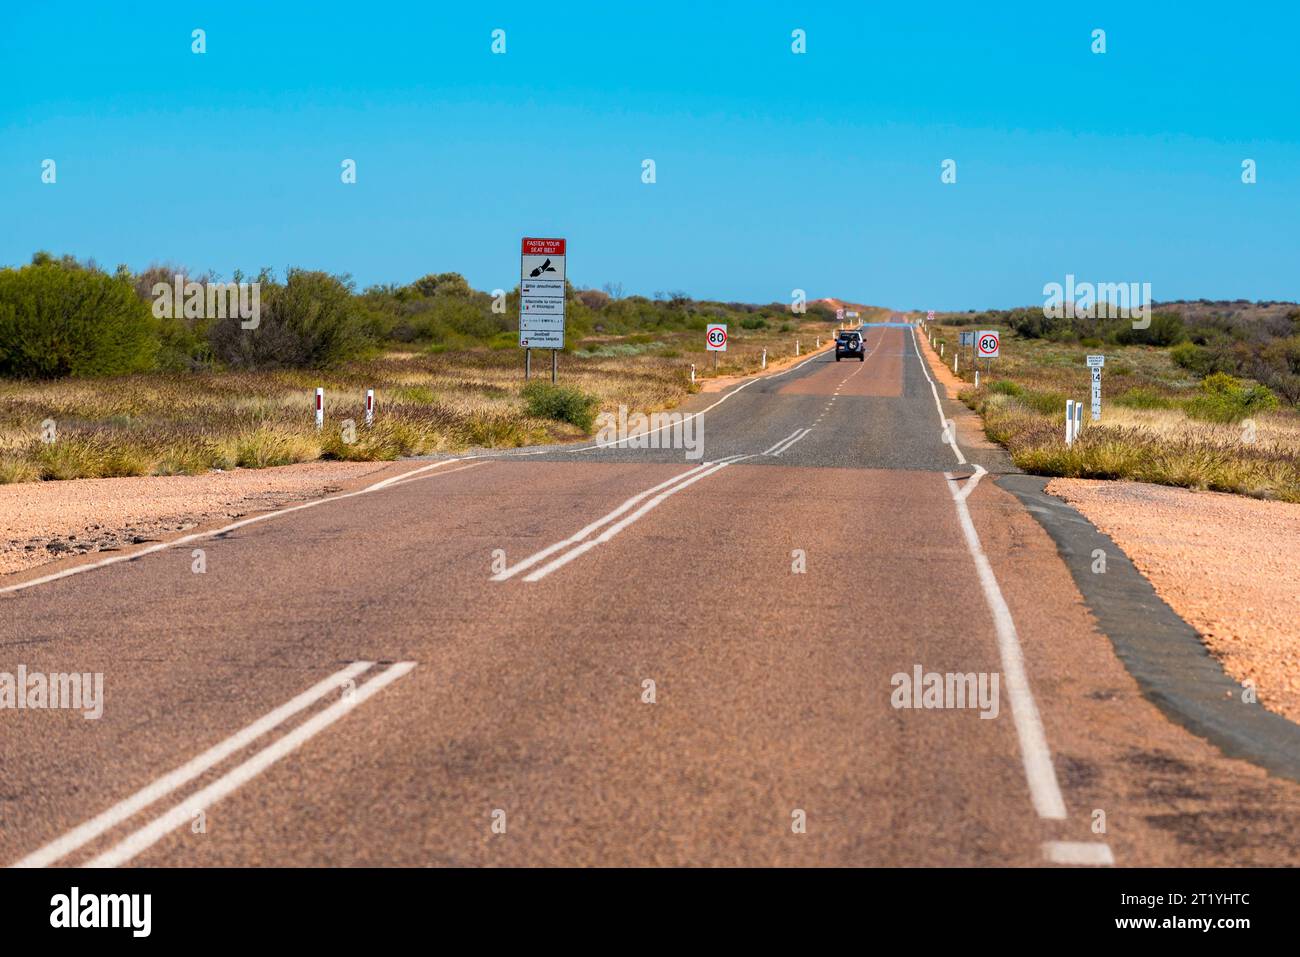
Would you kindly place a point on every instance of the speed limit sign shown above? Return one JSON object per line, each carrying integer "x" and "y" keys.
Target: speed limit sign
{"x": 715, "y": 339}
{"x": 987, "y": 344}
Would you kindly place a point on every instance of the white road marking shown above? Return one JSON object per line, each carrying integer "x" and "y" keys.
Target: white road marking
{"x": 1078, "y": 852}
{"x": 785, "y": 444}
{"x": 1037, "y": 757}
{"x": 640, "y": 435}
{"x": 199, "y": 536}
{"x": 788, "y": 438}
{"x": 382, "y": 484}
{"x": 582, "y": 533}
{"x": 948, "y": 437}
{"x": 614, "y": 529}
{"x": 1044, "y": 789}
{"x": 228, "y": 783}
{"x": 165, "y": 785}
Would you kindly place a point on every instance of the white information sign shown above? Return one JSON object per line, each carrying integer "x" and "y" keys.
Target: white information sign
{"x": 541, "y": 294}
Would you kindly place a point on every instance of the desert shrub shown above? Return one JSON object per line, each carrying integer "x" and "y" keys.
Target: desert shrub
{"x": 1166, "y": 329}
{"x": 593, "y": 298}
{"x": 61, "y": 319}
{"x": 1005, "y": 387}
{"x": 1140, "y": 397}
{"x": 561, "y": 403}
{"x": 1225, "y": 398}
{"x": 1192, "y": 357}
{"x": 441, "y": 284}
{"x": 309, "y": 321}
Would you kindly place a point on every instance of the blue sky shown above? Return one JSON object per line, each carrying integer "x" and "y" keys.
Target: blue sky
{"x": 775, "y": 171}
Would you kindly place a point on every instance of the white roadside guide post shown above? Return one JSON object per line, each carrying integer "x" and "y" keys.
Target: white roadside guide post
{"x": 1094, "y": 364}
{"x": 764, "y": 359}
{"x": 370, "y": 407}
{"x": 1078, "y": 418}
{"x": 692, "y": 372}
{"x": 955, "y": 357}
{"x": 320, "y": 408}
{"x": 796, "y": 347}
{"x": 1069, "y": 422}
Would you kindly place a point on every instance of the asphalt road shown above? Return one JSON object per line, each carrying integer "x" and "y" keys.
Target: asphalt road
{"x": 453, "y": 669}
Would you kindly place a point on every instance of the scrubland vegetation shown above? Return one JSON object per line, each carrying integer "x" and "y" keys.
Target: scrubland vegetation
{"x": 94, "y": 384}
{"x": 1204, "y": 398}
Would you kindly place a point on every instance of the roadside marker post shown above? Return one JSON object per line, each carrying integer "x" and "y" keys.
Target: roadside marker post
{"x": 1069, "y": 422}
{"x": 1095, "y": 364}
{"x": 955, "y": 357}
{"x": 764, "y": 359}
{"x": 977, "y": 378}
{"x": 1078, "y": 418}
{"x": 796, "y": 347}
{"x": 370, "y": 407}
{"x": 692, "y": 373}
{"x": 320, "y": 408}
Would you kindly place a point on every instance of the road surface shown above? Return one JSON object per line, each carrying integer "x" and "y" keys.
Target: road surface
{"x": 456, "y": 668}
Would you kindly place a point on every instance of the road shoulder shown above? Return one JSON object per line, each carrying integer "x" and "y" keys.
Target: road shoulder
{"x": 1163, "y": 653}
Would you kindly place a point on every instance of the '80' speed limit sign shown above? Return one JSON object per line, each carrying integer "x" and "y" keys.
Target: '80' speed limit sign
{"x": 715, "y": 340}
{"x": 987, "y": 345}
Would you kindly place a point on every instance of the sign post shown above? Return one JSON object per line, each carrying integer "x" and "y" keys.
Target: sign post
{"x": 1095, "y": 363}
{"x": 715, "y": 340}
{"x": 988, "y": 345}
{"x": 541, "y": 299}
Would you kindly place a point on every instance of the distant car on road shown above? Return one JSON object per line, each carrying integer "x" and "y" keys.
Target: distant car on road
{"x": 849, "y": 343}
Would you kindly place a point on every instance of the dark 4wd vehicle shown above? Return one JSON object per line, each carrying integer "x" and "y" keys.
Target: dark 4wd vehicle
{"x": 849, "y": 344}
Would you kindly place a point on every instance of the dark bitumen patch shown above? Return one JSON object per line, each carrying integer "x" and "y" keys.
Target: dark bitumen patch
{"x": 1165, "y": 654}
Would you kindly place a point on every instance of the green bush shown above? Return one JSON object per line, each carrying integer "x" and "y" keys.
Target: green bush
{"x": 1228, "y": 399}
{"x": 1166, "y": 329}
{"x": 1006, "y": 387}
{"x": 1140, "y": 397}
{"x": 309, "y": 321}
{"x": 1192, "y": 357}
{"x": 60, "y": 319}
{"x": 563, "y": 404}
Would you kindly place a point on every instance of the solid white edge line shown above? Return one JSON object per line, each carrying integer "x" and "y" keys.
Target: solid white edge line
{"x": 161, "y": 787}
{"x": 141, "y": 840}
{"x": 1078, "y": 852}
{"x": 586, "y": 530}
{"x": 1034, "y": 752}
{"x": 948, "y": 436}
{"x": 613, "y": 530}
